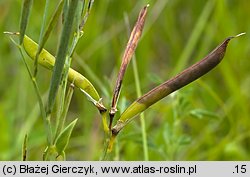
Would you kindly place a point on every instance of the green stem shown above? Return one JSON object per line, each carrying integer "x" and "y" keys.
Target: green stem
{"x": 64, "y": 102}
{"x": 142, "y": 116}
{"x": 24, "y": 148}
{"x": 194, "y": 37}
{"x": 61, "y": 55}
{"x": 106, "y": 153}
{"x": 47, "y": 123}
{"x": 41, "y": 34}
{"x": 63, "y": 115}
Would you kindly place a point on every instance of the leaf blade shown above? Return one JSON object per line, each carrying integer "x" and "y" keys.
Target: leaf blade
{"x": 48, "y": 31}
{"x": 61, "y": 55}
{"x": 63, "y": 138}
{"x": 24, "y": 18}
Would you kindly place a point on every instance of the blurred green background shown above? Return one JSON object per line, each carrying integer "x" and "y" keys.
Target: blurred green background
{"x": 206, "y": 120}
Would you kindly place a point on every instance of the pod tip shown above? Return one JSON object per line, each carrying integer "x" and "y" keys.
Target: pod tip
{"x": 11, "y": 33}
{"x": 238, "y": 35}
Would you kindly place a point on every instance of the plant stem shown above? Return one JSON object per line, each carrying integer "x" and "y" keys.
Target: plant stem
{"x": 41, "y": 34}
{"x": 24, "y": 148}
{"x": 64, "y": 112}
{"x": 26, "y": 9}
{"x": 61, "y": 55}
{"x": 47, "y": 123}
{"x": 142, "y": 116}
{"x": 194, "y": 37}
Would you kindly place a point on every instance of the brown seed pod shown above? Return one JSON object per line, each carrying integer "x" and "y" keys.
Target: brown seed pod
{"x": 184, "y": 78}
{"x": 129, "y": 51}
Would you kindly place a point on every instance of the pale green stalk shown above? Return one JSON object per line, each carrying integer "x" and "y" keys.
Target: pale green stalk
{"x": 61, "y": 55}
{"x": 62, "y": 116}
{"x": 142, "y": 115}
{"x": 47, "y": 123}
{"x": 41, "y": 33}
{"x": 194, "y": 37}
{"x": 26, "y": 9}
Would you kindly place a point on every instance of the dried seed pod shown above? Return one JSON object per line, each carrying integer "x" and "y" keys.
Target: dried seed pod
{"x": 129, "y": 51}
{"x": 184, "y": 78}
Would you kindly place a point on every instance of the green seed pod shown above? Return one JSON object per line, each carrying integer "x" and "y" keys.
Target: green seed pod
{"x": 47, "y": 60}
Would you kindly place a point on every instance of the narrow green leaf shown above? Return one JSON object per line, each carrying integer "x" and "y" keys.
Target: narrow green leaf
{"x": 83, "y": 3}
{"x": 90, "y": 4}
{"x": 202, "y": 113}
{"x": 85, "y": 18}
{"x": 24, "y": 148}
{"x": 79, "y": 10}
{"x": 57, "y": 109}
{"x": 65, "y": 109}
{"x": 50, "y": 27}
{"x": 45, "y": 13}
{"x": 142, "y": 116}
{"x": 65, "y": 9}
{"x": 61, "y": 54}
{"x": 77, "y": 33}
{"x": 195, "y": 36}
{"x": 24, "y": 18}
{"x": 63, "y": 138}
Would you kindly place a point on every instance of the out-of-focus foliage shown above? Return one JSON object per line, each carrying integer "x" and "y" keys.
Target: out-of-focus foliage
{"x": 206, "y": 120}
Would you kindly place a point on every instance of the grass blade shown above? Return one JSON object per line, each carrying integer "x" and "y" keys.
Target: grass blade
{"x": 65, "y": 110}
{"x": 61, "y": 55}
{"x": 129, "y": 51}
{"x": 44, "y": 37}
{"x": 24, "y": 18}
{"x": 65, "y": 9}
{"x": 79, "y": 11}
{"x": 196, "y": 33}
{"x": 80, "y": 23}
{"x": 142, "y": 116}
{"x": 90, "y": 4}
{"x": 41, "y": 33}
